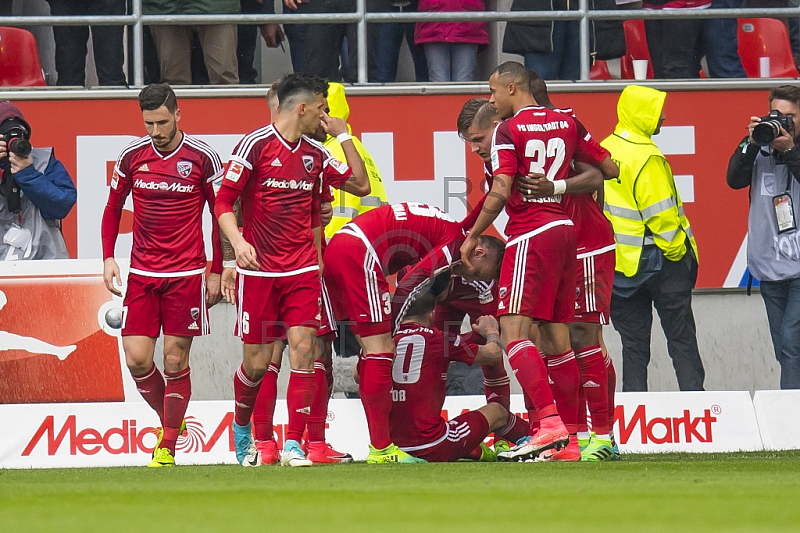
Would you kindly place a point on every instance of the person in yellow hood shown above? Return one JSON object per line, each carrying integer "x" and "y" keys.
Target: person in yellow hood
{"x": 345, "y": 205}
{"x": 656, "y": 251}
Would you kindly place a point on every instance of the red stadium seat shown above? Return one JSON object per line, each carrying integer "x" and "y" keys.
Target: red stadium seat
{"x": 19, "y": 59}
{"x": 636, "y": 44}
{"x": 599, "y": 71}
{"x": 764, "y": 37}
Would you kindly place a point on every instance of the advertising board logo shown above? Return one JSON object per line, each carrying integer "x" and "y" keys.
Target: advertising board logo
{"x": 666, "y": 430}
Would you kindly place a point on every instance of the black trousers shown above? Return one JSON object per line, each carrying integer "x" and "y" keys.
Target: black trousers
{"x": 71, "y": 43}
{"x": 670, "y": 291}
{"x": 675, "y": 47}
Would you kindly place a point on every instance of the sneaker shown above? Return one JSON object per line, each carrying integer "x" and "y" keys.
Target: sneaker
{"x": 161, "y": 457}
{"x": 246, "y": 452}
{"x": 160, "y": 433}
{"x": 584, "y": 442}
{"x": 501, "y": 445}
{"x": 323, "y": 453}
{"x": 292, "y": 454}
{"x": 551, "y": 434}
{"x": 570, "y": 454}
{"x": 487, "y": 454}
{"x": 268, "y": 453}
{"x": 615, "y": 448}
{"x": 391, "y": 454}
{"x": 598, "y": 450}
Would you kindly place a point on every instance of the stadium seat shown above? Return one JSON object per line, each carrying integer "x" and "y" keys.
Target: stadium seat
{"x": 636, "y": 45}
{"x": 765, "y": 37}
{"x": 599, "y": 71}
{"x": 19, "y": 59}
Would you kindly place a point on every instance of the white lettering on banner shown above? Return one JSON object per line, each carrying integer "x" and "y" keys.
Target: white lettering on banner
{"x": 162, "y": 186}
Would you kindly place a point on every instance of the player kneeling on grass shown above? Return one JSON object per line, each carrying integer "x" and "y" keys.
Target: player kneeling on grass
{"x": 420, "y": 379}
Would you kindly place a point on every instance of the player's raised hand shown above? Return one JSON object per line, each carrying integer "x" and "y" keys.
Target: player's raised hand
{"x": 245, "y": 255}
{"x": 228, "y": 285}
{"x": 466, "y": 250}
{"x": 535, "y": 185}
{"x": 486, "y": 325}
{"x": 110, "y": 275}
{"x": 213, "y": 289}
{"x": 333, "y": 125}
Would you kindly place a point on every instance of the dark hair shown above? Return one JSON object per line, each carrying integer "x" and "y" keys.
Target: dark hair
{"x": 157, "y": 94}
{"x": 421, "y": 306}
{"x": 272, "y": 92}
{"x": 300, "y": 86}
{"x": 476, "y": 111}
{"x": 785, "y": 92}
{"x": 519, "y": 75}
{"x": 538, "y": 89}
{"x": 493, "y": 245}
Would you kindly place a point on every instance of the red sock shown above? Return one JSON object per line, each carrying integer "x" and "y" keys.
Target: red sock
{"x": 375, "y": 389}
{"x": 245, "y": 391}
{"x": 264, "y": 409}
{"x": 594, "y": 383}
{"x": 177, "y": 392}
{"x": 531, "y": 373}
{"x": 566, "y": 377}
{"x": 515, "y": 429}
{"x": 612, "y": 388}
{"x": 151, "y": 386}
{"x": 583, "y": 422}
{"x": 299, "y": 399}
{"x": 329, "y": 375}
{"x": 497, "y": 385}
{"x": 533, "y": 415}
{"x": 319, "y": 406}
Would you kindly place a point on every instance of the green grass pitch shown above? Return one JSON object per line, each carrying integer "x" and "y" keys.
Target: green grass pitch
{"x": 671, "y": 492}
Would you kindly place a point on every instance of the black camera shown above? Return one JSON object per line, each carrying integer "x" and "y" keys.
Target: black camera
{"x": 770, "y": 127}
{"x": 17, "y": 142}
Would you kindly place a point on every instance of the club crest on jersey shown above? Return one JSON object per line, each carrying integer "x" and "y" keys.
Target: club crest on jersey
{"x": 234, "y": 171}
{"x": 184, "y": 168}
{"x": 308, "y": 162}
{"x": 503, "y": 291}
{"x": 195, "y": 313}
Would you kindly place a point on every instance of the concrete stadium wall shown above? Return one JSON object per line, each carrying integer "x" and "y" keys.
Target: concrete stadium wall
{"x": 731, "y": 328}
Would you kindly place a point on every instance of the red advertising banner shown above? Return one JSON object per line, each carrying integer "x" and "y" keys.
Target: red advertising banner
{"x": 414, "y": 142}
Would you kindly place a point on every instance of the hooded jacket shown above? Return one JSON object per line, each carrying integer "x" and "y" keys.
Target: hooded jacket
{"x": 345, "y": 205}
{"x": 643, "y": 203}
{"x": 47, "y": 195}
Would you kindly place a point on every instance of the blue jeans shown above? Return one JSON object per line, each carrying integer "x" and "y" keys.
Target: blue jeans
{"x": 451, "y": 61}
{"x": 782, "y": 300}
{"x": 564, "y": 62}
{"x": 390, "y": 39}
{"x": 720, "y": 43}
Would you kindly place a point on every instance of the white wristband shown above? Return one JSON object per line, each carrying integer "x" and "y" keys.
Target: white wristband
{"x": 229, "y": 264}
{"x": 559, "y": 186}
{"x": 342, "y": 137}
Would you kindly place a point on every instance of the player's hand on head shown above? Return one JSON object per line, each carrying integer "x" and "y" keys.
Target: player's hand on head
{"x": 535, "y": 185}
{"x": 213, "y": 289}
{"x": 333, "y": 125}
{"x": 110, "y": 275}
{"x": 228, "y": 285}
{"x": 486, "y": 325}
{"x": 246, "y": 255}
{"x": 466, "y": 250}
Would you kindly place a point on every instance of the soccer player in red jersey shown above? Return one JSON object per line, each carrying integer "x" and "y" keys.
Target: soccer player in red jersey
{"x": 278, "y": 171}
{"x": 419, "y": 374}
{"x": 358, "y": 259}
{"x": 170, "y": 174}
{"x": 537, "y": 282}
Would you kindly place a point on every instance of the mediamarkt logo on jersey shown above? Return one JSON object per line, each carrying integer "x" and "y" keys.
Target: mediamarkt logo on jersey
{"x": 288, "y": 184}
{"x": 162, "y": 186}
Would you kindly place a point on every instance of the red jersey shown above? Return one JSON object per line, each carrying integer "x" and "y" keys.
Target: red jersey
{"x": 419, "y": 374}
{"x": 280, "y": 184}
{"x": 400, "y": 235}
{"x": 169, "y": 191}
{"x": 535, "y": 139}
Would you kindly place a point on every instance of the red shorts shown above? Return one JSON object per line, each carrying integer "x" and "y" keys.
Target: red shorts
{"x": 595, "y": 279}
{"x": 464, "y": 434}
{"x": 176, "y": 304}
{"x": 537, "y": 279}
{"x": 327, "y": 322}
{"x": 269, "y": 306}
{"x": 357, "y": 287}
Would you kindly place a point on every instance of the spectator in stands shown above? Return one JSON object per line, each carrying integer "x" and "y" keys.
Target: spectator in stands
{"x": 656, "y": 261}
{"x": 770, "y": 166}
{"x": 71, "y": 43}
{"x": 36, "y": 193}
{"x": 451, "y": 48}
{"x": 174, "y": 43}
{"x": 390, "y": 40}
{"x": 248, "y": 38}
{"x": 552, "y": 48}
{"x": 677, "y": 46}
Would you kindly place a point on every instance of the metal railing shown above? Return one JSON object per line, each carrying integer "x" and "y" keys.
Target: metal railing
{"x": 362, "y": 17}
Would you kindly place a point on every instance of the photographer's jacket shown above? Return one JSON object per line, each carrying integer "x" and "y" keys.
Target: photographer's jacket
{"x": 46, "y": 196}
{"x": 771, "y": 255}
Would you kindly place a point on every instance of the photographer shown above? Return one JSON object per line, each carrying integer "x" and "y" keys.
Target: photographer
{"x": 768, "y": 161}
{"x": 36, "y": 192}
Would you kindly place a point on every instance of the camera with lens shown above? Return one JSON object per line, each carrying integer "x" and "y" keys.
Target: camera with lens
{"x": 17, "y": 142}
{"x": 770, "y": 127}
